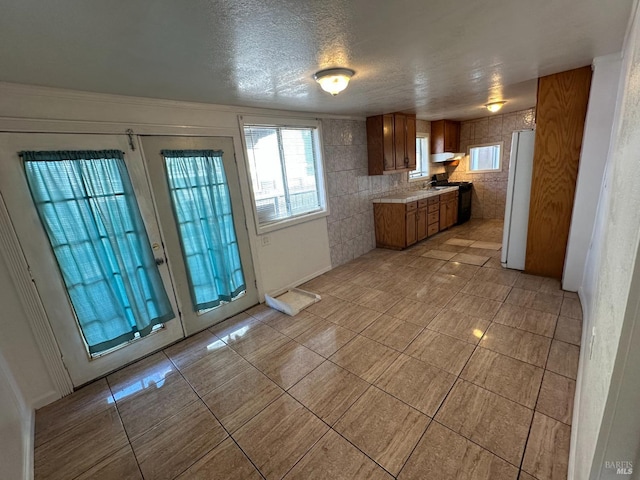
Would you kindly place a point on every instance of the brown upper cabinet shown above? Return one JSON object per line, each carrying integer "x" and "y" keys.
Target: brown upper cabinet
{"x": 445, "y": 136}
{"x": 391, "y": 143}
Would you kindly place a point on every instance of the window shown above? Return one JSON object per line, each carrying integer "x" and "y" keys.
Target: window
{"x": 485, "y": 158}
{"x": 286, "y": 173}
{"x": 422, "y": 158}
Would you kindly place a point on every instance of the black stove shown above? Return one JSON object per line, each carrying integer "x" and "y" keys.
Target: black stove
{"x": 464, "y": 197}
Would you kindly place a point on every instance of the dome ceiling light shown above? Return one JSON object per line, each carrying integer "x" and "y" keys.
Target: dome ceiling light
{"x": 334, "y": 80}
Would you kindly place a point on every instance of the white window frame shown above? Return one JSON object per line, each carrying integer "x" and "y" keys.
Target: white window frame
{"x": 424, "y": 164}
{"x": 490, "y": 144}
{"x": 321, "y": 186}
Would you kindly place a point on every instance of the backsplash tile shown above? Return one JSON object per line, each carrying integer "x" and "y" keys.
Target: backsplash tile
{"x": 351, "y": 189}
{"x": 489, "y": 189}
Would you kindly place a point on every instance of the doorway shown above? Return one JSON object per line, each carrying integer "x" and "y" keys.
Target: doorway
{"x": 158, "y": 236}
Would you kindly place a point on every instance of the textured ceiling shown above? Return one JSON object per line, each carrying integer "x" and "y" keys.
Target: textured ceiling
{"x": 437, "y": 58}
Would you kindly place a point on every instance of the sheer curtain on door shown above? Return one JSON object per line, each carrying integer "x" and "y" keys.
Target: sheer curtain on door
{"x": 87, "y": 206}
{"x": 202, "y": 209}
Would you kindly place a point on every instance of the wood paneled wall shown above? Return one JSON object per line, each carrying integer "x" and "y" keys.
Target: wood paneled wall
{"x": 560, "y": 115}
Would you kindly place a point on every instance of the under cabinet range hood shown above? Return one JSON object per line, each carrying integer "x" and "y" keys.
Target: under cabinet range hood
{"x": 446, "y": 157}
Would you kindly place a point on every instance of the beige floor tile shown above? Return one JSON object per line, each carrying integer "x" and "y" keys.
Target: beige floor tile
{"x": 225, "y": 462}
{"x": 545, "y": 302}
{"x": 383, "y": 427}
{"x": 477, "y": 260}
{"x": 170, "y": 447}
{"x": 365, "y": 358}
{"x": 459, "y": 269}
{"x": 153, "y": 403}
{"x": 392, "y": 332}
{"x": 426, "y": 264}
{"x": 459, "y": 325}
{"x": 433, "y": 297}
{"x": 494, "y": 263}
{"x": 442, "y": 351}
{"x": 333, "y": 458}
{"x": 325, "y": 307}
{"x": 329, "y": 391}
{"x": 569, "y": 330}
{"x": 516, "y": 343}
{"x": 483, "y": 289}
{"x": 122, "y": 465}
{"x": 506, "y": 376}
{"x": 193, "y": 348}
{"x": 446, "y": 280}
{"x": 236, "y": 402}
{"x": 563, "y": 359}
{"x": 482, "y": 252}
{"x": 567, "y": 294}
{"x": 439, "y": 254}
{"x": 444, "y": 455}
{"x": 539, "y": 284}
{"x": 326, "y": 338}
{"x": 475, "y": 306}
{"x": 502, "y": 277}
{"x": 76, "y": 450}
{"x": 148, "y": 372}
{"x": 413, "y": 311}
{"x": 263, "y": 312}
{"x": 460, "y": 242}
{"x": 279, "y": 436}
{"x": 450, "y": 248}
{"x": 416, "y": 383}
{"x": 320, "y": 284}
{"x": 528, "y": 319}
{"x": 354, "y": 317}
{"x": 214, "y": 370}
{"x": 571, "y": 308}
{"x": 235, "y": 327}
{"x": 547, "y": 452}
{"x": 556, "y": 397}
{"x": 525, "y": 476}
{"x": 72, "y": 410}
{"x": 287, "y": 364}
{"x": 259, "y": 338}
{"x": 296, "y": 325}
{"x": 348, "y": 291}
{"x": 377, "y": 300}
{"x": 493, "y": 422}
{"x": 486, "y": 245}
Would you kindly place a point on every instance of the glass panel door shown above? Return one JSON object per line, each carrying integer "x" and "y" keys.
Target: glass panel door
{"x": 95, "y": 252}
{"x": 197, "y": 191}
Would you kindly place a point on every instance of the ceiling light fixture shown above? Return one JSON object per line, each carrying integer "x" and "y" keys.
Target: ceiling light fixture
{"x": 334, "y": 80}
{"x": 493, "y": 107}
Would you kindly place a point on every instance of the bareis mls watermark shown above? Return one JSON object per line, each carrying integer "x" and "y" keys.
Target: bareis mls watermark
{"x": 620, "y": 467}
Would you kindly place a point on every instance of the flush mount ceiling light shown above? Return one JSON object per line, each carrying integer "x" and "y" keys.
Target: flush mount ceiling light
{"x": 334, "y": 80}
{"x": 493, "y": 107}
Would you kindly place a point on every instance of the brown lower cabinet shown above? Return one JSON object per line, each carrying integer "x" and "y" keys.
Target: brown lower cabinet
{"x": 400, "y": 225}
{"x": 448, "y": 210}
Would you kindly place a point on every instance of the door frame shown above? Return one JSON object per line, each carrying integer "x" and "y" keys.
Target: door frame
{"x": 18, "y": 268}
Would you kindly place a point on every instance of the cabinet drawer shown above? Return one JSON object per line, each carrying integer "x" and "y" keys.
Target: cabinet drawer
{"x": 412, "y": 206}
{"x": 434, "y": 208}
{"x": 433, "y": 218}
{"x": 422, "y": 203}
{"x": 432, "y": 229}
{"x": 445, "y": 197}
{"x": 433, "y": 200}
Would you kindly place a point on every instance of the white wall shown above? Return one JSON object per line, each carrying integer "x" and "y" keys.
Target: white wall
{"x": 606, "y": 293}
{"x": 16, "y": 427}
{"x": 593, "y": 157}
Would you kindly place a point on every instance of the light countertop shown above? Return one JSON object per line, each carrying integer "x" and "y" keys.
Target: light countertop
{"x": 412, "y": 196}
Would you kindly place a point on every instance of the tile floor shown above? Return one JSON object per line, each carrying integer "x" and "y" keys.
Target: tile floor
{"x": 431, "y": 363}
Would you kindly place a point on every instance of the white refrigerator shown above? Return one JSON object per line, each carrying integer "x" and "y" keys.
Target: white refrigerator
{"x": 516, "y": 216}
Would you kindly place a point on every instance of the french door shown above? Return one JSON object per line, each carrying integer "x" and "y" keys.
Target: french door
{"x": 160, "y": 174}
{"x": 159, "y": 236}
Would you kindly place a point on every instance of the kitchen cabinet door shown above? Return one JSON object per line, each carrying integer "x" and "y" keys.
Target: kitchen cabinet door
{"x": 421, "y": 223}
{"x": 410, "y": 142}
{"x": 387, "y": 143}
{"x": 411, "y": 230}
{"x": 400, "y": 141}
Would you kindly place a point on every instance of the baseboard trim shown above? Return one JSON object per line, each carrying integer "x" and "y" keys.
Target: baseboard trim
{"x": 29, "y": 444}
{"x": 49, "y": 397}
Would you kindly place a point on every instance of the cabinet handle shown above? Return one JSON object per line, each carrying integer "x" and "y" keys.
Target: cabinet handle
{"x": 406, "y": 160}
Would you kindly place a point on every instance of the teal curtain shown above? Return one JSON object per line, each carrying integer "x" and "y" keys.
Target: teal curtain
{"x": 202, "y": 208}
{"x": 87, "y": 206}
